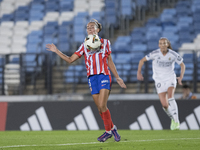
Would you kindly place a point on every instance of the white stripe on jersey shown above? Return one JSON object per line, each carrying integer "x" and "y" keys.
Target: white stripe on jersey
{"x": 103, "y": 54}
{"x": 97, "y": 63}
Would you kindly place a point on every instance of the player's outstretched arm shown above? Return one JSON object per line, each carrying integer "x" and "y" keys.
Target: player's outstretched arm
{"x": 53, "y": 48}
{"x": 113, "y": 69}
{"x": 139, "y": 74}
{"x": 181, "y": 74}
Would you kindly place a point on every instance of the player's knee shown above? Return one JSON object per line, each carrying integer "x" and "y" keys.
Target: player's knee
{"x": 165, "y": 106}
{"x": 102, "y": 108}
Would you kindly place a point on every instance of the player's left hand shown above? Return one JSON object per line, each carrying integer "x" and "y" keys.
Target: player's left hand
{"x": 121, "y": 82}
{"x": 179, "y": 80}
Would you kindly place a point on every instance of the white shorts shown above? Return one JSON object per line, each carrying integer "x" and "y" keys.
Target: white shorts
{"x": 162, "y": 86}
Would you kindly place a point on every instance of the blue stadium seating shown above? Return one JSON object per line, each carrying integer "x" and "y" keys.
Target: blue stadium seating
{"x": 139, "y": 47}
{"x": 179, "y": 24}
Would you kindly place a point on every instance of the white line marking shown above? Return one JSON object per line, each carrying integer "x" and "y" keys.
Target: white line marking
{"x": 70, "y": 144}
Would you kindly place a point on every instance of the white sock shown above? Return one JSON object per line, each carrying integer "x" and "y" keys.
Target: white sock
{"x": 174, "y": 107}
{"x": 109, "y": 132}
{"x": 169, "y": 112}
{"x": 113, "y": 127}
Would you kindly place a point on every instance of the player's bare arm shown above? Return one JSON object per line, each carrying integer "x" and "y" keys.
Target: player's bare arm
{"x": 53, "y": 48}
{"x": 113, "y": 69}
{"x": 139, "y": 74}
{"x": 181, "y": 74}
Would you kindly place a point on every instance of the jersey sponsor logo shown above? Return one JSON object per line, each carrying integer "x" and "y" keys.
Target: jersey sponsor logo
{"x": 164, "y": 63}
{"x": 97, "y": 51}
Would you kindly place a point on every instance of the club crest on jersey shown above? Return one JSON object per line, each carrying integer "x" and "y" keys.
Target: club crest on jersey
{"x": 169, "y": 58}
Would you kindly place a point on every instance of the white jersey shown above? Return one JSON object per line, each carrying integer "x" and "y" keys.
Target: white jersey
{"x": 163, "y": 66}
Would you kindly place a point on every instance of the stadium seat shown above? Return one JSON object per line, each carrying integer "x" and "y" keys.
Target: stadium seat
{"x": 138, "y": 38}
{"x": 173, "y": 29}
{"x": 139, "y": 47}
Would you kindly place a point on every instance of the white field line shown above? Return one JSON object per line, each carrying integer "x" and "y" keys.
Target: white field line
{"x": 70, "y": 144}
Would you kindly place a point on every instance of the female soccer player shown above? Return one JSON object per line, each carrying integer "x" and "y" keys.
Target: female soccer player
{"x": 99, "y": 77}
{"x": 165, "y": 77}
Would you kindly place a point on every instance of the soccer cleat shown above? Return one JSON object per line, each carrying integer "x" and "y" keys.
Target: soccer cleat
{"x": 116, "y": 134}
{"x": 176, "y": 126}
{"x": 172, "y": 124}
{"x": 104, "y": 137}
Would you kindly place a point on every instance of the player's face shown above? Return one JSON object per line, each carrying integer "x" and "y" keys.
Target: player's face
{"x": 163, "y": 44}
{"x": 91, "y": 28}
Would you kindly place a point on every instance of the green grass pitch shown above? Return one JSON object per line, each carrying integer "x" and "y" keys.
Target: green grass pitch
{"x": 87, "y": 140}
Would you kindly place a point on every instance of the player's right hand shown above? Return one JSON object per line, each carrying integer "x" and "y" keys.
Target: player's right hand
{"x": 51, "y": 47}
{"x": 121, "y": 82}
{"x": 140, "y": 77}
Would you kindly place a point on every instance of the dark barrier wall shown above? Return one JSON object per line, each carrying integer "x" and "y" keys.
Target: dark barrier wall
{"x": 83, "y": 115}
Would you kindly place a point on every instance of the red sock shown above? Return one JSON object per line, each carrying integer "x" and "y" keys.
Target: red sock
{"x": 101, "y": 115}
{"x": 108, "y": 124}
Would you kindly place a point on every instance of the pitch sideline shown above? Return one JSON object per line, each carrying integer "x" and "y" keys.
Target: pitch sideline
{"x": 70, "y": 144}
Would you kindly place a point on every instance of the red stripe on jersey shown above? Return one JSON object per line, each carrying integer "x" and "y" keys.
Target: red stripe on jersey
{"x": 108, "y": 47}
{"x": 88, "y": 65}
{"x": 105, "y": 66}
{"x": 80, "y": 51}
{"x": 94, "y": 64}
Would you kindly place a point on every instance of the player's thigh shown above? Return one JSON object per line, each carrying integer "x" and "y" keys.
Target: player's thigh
{"x": 103, "y": 97}
{"x": 170, "y": 92}
{"x": 171, "y": 86}
{"x": 96, "y": 100}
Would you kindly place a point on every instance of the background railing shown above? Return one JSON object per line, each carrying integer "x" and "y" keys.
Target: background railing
{"x": 41, "y": 74}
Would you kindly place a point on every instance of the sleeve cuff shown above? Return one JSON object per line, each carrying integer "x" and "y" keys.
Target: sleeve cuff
{"x": 79, "y": 55}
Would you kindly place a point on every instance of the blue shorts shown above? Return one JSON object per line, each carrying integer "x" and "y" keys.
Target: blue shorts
{"x": 98, "y": 82}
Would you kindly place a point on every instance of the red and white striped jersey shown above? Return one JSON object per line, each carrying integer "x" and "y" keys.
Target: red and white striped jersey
{"x": 96, "y": 61}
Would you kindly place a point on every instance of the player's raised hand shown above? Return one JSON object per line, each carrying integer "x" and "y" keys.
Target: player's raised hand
{"x": 121, "y": 82}
{"x": 179, "y": 80}
{"x": 51, "y": 47}
{"x": 140, "y": 77}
